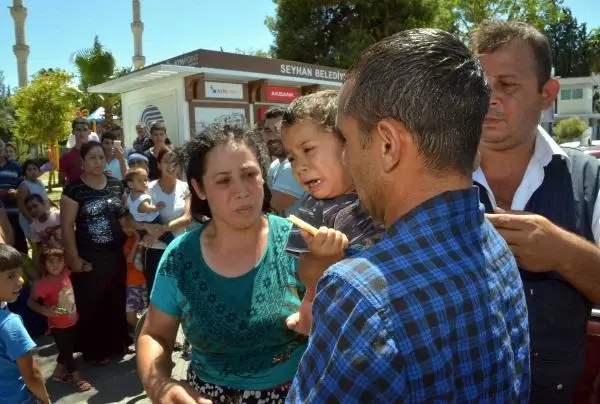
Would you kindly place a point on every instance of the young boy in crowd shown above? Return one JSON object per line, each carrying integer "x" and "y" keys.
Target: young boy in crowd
{"x": 136, "y": 282}
{"x": 315, "y": 151}
{"x": 20, "y": 378}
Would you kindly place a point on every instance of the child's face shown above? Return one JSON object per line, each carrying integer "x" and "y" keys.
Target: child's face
{"x": 10, "y": 285}
{"x": 55, "y": 265}
{"x": 139, "y": 183}
{"x": 36, "y": 209}
{"x": 32, "y": 173}
{"x": 316, "y": 155}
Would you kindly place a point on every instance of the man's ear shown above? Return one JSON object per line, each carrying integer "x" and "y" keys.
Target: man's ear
{"x": 550, "y": 92}
{"x": 389, "y": 137}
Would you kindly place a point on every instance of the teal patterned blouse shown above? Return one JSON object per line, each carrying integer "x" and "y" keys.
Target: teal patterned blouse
{"x": 236, "y": 326}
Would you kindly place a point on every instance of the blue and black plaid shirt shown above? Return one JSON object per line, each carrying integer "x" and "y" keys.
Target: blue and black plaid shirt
{"x": 433, "y": 312}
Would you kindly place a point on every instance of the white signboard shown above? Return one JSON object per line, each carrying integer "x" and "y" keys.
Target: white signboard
{"x": 222, "y": 116}
{"x": 213, "y": 89}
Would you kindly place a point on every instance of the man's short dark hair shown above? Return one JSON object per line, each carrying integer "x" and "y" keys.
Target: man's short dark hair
{"x": 79, "y": 121}
{"x": 429, "y": 81}
{"x": 108, "y": 135}
{"x": 10, "y": 258}
{"x": 492, "y": 35}
{"x": 274, "y": 112}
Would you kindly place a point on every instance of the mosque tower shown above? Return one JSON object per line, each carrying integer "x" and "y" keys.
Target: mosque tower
{"x": 20, "y": 49}
{"x": 137, "y": 27}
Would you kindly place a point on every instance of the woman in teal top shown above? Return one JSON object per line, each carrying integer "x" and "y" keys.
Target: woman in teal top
{"x": 229, "y": 283}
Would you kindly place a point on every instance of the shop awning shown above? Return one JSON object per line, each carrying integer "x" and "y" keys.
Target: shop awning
{"x": 153, "y": 74}
{"x": 143, "y": 78}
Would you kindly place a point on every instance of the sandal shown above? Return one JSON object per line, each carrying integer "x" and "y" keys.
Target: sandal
{"x": 82, "y": 385}
{"x": 63, "y": 378}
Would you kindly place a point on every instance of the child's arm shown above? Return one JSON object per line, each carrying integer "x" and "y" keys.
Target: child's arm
{"x": 32, "y": 376}
{"x": 147, "y": 207}
{"x": 33, "y": 304}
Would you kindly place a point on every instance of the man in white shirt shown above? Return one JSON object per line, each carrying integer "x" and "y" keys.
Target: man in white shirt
{"x": 540, "y": 205}
{"x": 286, "y": 192}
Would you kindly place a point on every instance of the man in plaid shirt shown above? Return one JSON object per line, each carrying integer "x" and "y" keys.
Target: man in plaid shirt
{"x": 435, "y": 311}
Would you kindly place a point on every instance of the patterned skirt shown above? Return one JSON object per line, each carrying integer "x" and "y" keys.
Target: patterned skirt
{"x": 226, "y": 395}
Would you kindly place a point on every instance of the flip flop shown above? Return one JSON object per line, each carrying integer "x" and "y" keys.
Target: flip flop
{"x": 63, "y": 378}
{"x": 82, "y": 385}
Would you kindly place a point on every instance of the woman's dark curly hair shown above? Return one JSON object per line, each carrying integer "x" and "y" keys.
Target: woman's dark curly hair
{"x": 194, "y": 160}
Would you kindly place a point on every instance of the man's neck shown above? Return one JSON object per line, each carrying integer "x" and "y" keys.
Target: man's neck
{"x": 507, "y": 163}
{"x": 3, "y": 161}
{"x": 420, "y": 191}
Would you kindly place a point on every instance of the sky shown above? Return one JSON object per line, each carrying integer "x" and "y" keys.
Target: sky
{"x": 54, "y": 30}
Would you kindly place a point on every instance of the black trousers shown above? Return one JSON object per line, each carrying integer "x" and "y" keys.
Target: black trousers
{"x": 152, "y": 257}
{"x": 20, "y": 241}
{"x": 64, "y": 338}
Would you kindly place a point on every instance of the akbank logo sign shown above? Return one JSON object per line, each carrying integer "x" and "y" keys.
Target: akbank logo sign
{"x": 223, "y": 90}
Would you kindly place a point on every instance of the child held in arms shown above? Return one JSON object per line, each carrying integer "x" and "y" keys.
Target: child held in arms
{"x": 315, "y": 150}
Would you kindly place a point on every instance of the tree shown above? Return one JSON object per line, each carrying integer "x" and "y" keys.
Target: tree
{"x": 466, "y": 14}
{"x": 44, "y": 108}
{"x": 253, "y": 52}
{"x": 569, "y": 129}
{"x": 7, "y": 113}
{"x": 333, "y": 33}
{"x": 97, "y": 65}
{"x": 572, "y": 47}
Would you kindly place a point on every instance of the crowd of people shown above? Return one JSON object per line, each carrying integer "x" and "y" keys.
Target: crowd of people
{"x": 448, "y": 251}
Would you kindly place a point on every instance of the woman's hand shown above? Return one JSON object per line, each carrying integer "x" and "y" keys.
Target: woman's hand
{"x": 78, "y": 264}
{"x": 155, "y": 230}
{"x": 181, "y": 393}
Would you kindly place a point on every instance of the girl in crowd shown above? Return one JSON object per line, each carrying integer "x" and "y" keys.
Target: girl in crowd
{"x": 229, "y": 283}
{"x": 56, "y": 291}
{"x": 31, "y": 185}
{"x": 174, "y": 197}
{"x": 92, "y": 211}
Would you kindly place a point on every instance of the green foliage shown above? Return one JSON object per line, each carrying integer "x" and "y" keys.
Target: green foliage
{"x": 253, "y": 52}
{"x": 7, "y": 113}
{"x": 569, "y": 129}
{"x": 594, "y": 45}
{"x": 574, "y": 50}
{"x": 95, "y": 65}
{"x": 333, "y": 33}
{"x": 44, "y": 108}
{"x": 469, "y": 13}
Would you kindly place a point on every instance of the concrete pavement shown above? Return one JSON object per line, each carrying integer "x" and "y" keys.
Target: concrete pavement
{"x": 118, "y": 382}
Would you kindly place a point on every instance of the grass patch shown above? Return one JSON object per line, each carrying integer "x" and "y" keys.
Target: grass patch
{"x": 54, "y": 196}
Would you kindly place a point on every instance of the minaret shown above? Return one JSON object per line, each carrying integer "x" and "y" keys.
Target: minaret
{"x": 21, "y": 49}
{"x": 137, "y": 27}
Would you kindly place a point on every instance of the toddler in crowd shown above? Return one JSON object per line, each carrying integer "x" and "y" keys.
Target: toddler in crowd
{"x": 21, "y": 380}
{"x": 45, "y": 227}
{"x": 56, "y": 292}
{"x": 140, "y": 206}
{"x": 315, "y": 151}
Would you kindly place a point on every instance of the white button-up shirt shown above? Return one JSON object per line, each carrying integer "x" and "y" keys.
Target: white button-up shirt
{"x": 545, "y": 149}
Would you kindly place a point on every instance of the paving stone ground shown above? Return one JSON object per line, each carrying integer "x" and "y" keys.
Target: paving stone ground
{"x": 117, "y": 382}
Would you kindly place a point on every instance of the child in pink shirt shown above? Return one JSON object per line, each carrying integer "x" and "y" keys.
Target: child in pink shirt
{"x": 45, "y": 228}
{"x": 56, "y": 291}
